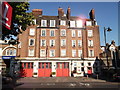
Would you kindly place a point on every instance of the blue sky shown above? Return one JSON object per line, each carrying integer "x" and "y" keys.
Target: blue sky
{"x": 106, "y": 14}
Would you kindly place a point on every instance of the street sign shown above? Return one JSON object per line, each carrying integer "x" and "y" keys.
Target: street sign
{"x": 6, "y": 15}
{"x": 8, "y": 57}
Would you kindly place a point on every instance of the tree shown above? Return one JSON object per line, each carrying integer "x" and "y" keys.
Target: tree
{"x": 20, "y": 20}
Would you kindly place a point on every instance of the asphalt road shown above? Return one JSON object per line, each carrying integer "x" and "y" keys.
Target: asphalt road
{"x": 68, "y": 85}
{"x": 63, "y": 82}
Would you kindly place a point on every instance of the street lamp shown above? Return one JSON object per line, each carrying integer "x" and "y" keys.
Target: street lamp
{"x": 106, "y": 29}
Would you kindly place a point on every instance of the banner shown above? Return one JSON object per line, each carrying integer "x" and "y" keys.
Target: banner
{"x": 6, "y": 15}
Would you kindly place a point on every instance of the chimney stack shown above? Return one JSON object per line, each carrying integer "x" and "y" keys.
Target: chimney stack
{"x": 92, "y": 14}
{"x": 68, "y": 13}
{"x": 37, "y": 12}
{"x": 60, "y": 12}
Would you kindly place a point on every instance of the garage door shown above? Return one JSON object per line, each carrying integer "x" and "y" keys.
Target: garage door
{"x": 62, "y": 69}
{"x": 26, "y": 69}
{"x": 44, "y": 69}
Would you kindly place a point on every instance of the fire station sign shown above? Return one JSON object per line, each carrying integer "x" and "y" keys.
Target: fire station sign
{"x": 6, "y": 15}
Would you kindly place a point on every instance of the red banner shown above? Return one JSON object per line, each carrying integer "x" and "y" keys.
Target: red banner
{"x": 6, "y": 15}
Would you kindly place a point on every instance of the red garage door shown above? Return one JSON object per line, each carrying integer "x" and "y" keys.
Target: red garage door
{"x": 62, "y": 69}
{"x": 44, "y": 69}
{"x": 26, "y": 69}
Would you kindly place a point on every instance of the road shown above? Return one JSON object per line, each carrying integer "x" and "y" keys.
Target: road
{"x": 63, "y": 82}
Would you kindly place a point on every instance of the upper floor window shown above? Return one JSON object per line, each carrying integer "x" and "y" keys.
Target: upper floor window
{"x": 79, "y": 33}
{"x": 11, "y": 52}
{"x": 43, "y": 23}
{"x": 43, "y": 32}
{"x": 91, "y": 53}
{"x": 63, "y": 52}
{"x": 31, "y": 42}
{"x": 63, "y": 42}
{"x": 88, "y": 23}
{"x": 0, "y": 52}
{"x": 73, "y": 53}
{"x": 42, "y": 53}
{"x": 52, "y": 23}
{"x": 73, "y": 43}
{"x": 52, "y": 53}
{"x": 43, "y": 42}
{"x": 72, "y": 23}
{"x": 32, "y": 31}
{"x": 34, "y": 20}
{"x": 79, "y": 53}
{"x": 90, "y": 42}
{"x": 52, "y": 42}
{"x": 90, "y": 33}
{"x": 79, "y": 43}
{"x": 63, "y": 32}
{"x": 63, "y": 22}
{"x": 73, "y": 33}
{"x": 52, "y": 33}
{"x": 79, "y": 23}
{"x": 31, "y": 52}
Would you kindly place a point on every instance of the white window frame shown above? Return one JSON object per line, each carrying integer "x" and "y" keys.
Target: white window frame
{"x": 63, "y": 30}
{"x": 42, "y": 32}
{"x": 34, "y": 20}
{"x": 90, "y": 33}
{"x": 14, "y": 52}
{"x": 42, "y": 54}
{"x": 30, "y": 42}
{"x": 88, "y": 23}
{"x": 73, "y": 33}
{"x": 79, "y": 33}
{"x": 79, "y": 23}
{"x": 63, "y": 22}
{"x": 52, "y": 21}
{"x": 42, "y": 23}
{"x": 80, "y": 43}
{"x": 73, "y": 43}
{"x": 91, "y": 54}
{"x": 32, "y": 31}
{"x": 62, "y": 43}
{"x": 52, "y": 51}
{"x": 44, "y": 43}
{"x": 51, "y": 33}
{"x": 29, "y": 54}
{"x": 72, "y": 23}
{"x": 79, "y": 53}
{"x": 7, "y": 52}
{"x": 90, "y": 42}
{"x": 51, "y": 42}
{"x": 73, "y": 53}
{"x": 63, "y": 52}
{"x": 1, "y": 52}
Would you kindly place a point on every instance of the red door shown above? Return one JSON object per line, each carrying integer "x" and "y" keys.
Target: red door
{"x": 26, "y": 69}
{"x": 44, "y": 69}
{"x": 62, "y": 69}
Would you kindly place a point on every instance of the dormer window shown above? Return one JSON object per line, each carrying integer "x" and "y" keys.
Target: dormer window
{"x": 43, "y": 23}
{"x": 52, "y": 23}
{"x": 88, "y": 23}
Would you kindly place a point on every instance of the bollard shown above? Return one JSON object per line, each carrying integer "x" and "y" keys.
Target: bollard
{"x": 97, "y": 76}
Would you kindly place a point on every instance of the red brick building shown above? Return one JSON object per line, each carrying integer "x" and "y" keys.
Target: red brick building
{"x": 59, "y": 44}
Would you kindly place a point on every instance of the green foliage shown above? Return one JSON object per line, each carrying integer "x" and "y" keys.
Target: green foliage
{"x": 20, "y": 14}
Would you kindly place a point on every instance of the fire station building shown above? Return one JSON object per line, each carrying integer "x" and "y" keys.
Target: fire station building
{"x": 57, "y": 45}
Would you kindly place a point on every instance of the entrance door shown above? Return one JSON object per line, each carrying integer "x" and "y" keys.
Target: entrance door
{"x": 26, "y": 69}
{"x": 44, "y": 69}
{"x": 62, "y": 69}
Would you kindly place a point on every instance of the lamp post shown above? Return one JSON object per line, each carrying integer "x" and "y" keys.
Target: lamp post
{"x": 106, "y": 29}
